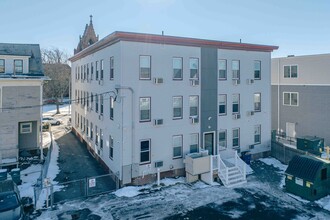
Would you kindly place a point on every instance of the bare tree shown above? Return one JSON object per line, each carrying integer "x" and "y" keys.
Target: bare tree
{"x": 55, "y": 67}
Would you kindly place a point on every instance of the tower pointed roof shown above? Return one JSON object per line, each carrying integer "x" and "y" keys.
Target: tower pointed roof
{"x": 88, "y": 38}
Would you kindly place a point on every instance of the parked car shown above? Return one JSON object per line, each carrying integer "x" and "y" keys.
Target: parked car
{"x": 52, "y": 121}
{"x": 10, "y": 201}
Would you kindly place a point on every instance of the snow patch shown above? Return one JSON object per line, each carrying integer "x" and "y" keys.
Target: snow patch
{"x": 324, "y": 202}
{"x": 276, "y": 163}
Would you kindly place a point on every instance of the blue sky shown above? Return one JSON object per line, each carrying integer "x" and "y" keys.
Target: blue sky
{"x": 298, "y": 27}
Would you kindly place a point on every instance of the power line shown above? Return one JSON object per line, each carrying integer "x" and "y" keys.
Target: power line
{"x": 65, "y": 102}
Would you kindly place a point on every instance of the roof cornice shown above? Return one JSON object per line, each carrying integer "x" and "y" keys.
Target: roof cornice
{"x": 169, "y": 40}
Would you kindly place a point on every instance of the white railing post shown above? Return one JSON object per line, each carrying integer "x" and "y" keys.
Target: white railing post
{"x": 226, "y": 175}
{"x": 236, "y": 158}
{"x": 244, "y": 171}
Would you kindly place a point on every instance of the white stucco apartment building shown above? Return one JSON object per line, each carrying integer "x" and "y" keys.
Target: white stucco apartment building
{"x": 145, "y": 101}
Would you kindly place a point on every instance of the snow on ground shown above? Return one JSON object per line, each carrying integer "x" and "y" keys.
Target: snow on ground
{"x": 324, "y": 202}
{"x": 29, "y": 178}
{"x": 46, "y": 139}
{"x": 275, "y": 163}
{"x": 53, "y": 170}
{"x": 51, "y": 109}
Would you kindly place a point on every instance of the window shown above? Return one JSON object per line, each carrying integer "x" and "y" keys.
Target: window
{"x": 257, "y": 69}
{"x": 111, "y": 147}
{"x": 26, "y": 127}
{"x": 145, "y": 151}
{"x": 235, "y": 103}
{"x": 235, "y": 67}
{"x": 177, "y": 68}
{"x": 101, "y": 104}
{"x": 194, "y": 143}
{"x": 222, "y": 104}
{"x": 101, "y": 73}
{"x": 145, "y": 67}
{"x": 112, "y": 68}
{"x": 18, "y": 66}
{"x": 236, "y": 137}
{"x": 291, "y": 98}
{"x": 87, "y": 71}
{"x": 92, "y": 100}
{"x": 81, "y": 72}
{"x": 193, "y": 104}
{"x": 177, "y": 146}
{"x": 257, "y": 134}
{"x": 81, "y": 122}
{"x": 78, "y": 76}
{"x": 101, "y": 139}
{"x": 96, "y": 103}
{"x": 111, "y": 107}
{"x": 96, "y": 136}
{"x": 2, "y": 66}
{"x": 222, "y": 139}
{"x": 92, "y": 70}
{"x": 84, "y": 124}
{"x": 222, "y": 69}
{"x": 177, "y": 107}
{"x": 193, "y": 64}
{"x": 291, "y": 71}
{"x": 92, "y": 129}
{"x": 87, "y": 97}
{"x": 87, "y": 127}
{"x": 145, "y": 109}
{"x": 84, "y": 99}
{"x": 257, "y": 102}
{"x": 96, "y": 70}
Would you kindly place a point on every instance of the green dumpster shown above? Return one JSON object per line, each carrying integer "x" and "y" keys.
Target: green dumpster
{"x": 16, "y": 175}
{"x": 3, "y": 174}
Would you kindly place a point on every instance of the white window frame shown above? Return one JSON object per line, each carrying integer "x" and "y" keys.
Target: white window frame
{"x": 236, "y": 75}
{"x": 222, "y": 146}
{"x": 26, "y": 130}
{"x": 96, "y": 70}
{"x": 193, "y": 106}
{"x": 15, "y": 65}
{"x": 290, "y": 71}
{"x": 290, "y": 98}
{"x": 180, "y": 101}
{"x": 221, "y": 103}
{"x": 149, "y": 108}
{"x": 174, "y": 145}
{"x": 111, "y": 109}
{"x": 101, "y": 70}
{"x": 194, "y": 140}
{"x": 112, "y": 68}
{"x": 147, "y": 67}
{"x": 255, "y": 96}
{"x": 4, "y": 66}
{"x": 236, "y": 103}
{"x": 191, "y": 67}
{"x": 149, "y": 150}
{"x": 111, "y": 147}
{"x": 174, "y": 68}
{"x": 257, "y": 132}
{"x": 225, "y": 62}
{"x": 255, "y": 69}
{"x": 234, "y": 137}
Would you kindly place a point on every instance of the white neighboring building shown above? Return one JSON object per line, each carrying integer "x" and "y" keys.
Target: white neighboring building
{"x": 145, "y": 100}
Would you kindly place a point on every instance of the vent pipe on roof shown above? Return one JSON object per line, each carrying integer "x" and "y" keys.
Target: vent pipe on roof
{"x": 291, "y": 55}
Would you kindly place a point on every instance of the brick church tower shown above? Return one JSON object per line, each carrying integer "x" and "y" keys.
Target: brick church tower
{"x": 89, "y": 37}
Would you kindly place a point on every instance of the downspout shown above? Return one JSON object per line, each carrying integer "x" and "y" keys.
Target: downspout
{"x": 278, "y": 94}
{"x": 40, "y": 127}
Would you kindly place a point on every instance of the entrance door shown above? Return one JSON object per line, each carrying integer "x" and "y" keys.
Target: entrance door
{"x": 209, "y": 142}
{"x": 290, "y": 129}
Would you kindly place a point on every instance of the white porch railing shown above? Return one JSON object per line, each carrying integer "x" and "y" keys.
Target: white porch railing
{"x": 240, "y": 164}
{"x": 222, "y": 171}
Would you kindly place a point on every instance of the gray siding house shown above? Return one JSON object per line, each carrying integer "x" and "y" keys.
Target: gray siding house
{"x": 21, "y": 79}
{"x": 301, "y": 95}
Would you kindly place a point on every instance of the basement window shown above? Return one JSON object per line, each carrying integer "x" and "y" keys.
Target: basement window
{"x": 26, "y": 128}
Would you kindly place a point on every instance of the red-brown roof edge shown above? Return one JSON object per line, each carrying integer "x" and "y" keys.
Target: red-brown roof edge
{"x": 171, "y": 40}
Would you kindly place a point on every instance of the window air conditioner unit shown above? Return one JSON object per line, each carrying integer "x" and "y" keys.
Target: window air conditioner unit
{"x": 236, "y": 82}
{"x": 158, "y": 80}
{"x": 251, "y": 146}
{"x": 194, "y": 82}
{"x": 236, "y": 116}
{"x": 250, "y": 81}
{"x": 194, "y": 120}
{"x": 101, "y": 117}
{"x": 250, "y": 113}
{"x": 158, "y": 164}
{"x": 158, "y": 121}
{"x": 101, "y": 82}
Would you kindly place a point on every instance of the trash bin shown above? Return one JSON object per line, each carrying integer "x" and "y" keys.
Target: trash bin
{"x": 3, "y": 174}
{"x": 16, "y": 175}
{"x": 246, "y": 157}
